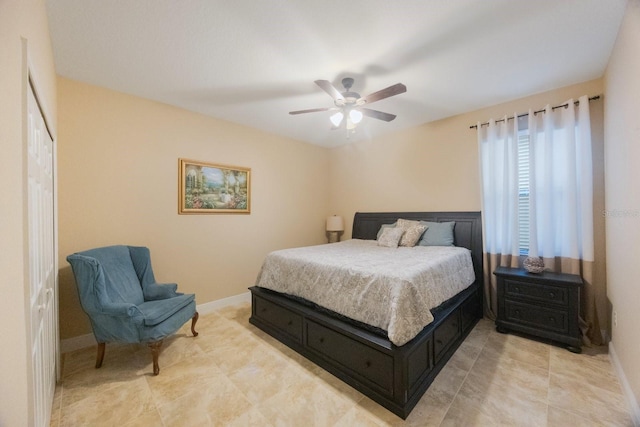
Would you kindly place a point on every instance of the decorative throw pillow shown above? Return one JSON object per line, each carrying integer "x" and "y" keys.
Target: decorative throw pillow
{"x": 412, "y": 235}
{"x": 382, "y": 227}
{"x": 437, "y": 234}
{"x": 406, "y": 223}
{"x": 390, "y": 237}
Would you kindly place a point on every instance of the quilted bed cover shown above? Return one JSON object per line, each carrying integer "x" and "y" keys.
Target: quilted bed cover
{"x": 393, "y": 289}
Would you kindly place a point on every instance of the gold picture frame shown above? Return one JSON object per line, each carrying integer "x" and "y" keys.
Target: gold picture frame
{"x": 209, "y": 188}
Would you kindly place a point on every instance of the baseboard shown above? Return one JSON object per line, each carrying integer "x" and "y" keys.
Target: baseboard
{"x": 209, "y": 307}
{"x": 88, "y": 340}
{"x": 626, "y": 388}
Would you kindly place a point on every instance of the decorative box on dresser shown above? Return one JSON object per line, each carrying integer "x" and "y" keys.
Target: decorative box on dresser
{"x": 545, "y": 305}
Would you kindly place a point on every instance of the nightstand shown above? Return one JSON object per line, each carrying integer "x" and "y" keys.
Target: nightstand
{"x": 545, "y": 305}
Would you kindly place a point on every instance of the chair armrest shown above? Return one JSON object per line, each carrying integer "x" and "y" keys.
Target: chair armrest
{"x": 158, "y": 291}
{"x": 120, "y": 309}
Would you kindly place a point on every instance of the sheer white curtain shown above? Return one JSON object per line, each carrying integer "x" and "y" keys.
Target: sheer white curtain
{"x": 498, "y": 152}
{"x": 560, "y": 198}
{"x": 561, "y": 182}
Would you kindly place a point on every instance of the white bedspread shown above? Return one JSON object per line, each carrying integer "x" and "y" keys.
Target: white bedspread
{"x": 389, "y": 288}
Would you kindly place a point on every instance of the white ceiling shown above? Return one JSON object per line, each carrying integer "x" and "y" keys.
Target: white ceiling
{"x": 253, "y": 61}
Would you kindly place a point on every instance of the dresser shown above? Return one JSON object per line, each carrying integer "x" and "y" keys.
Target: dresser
{"x": 546, "y": 305}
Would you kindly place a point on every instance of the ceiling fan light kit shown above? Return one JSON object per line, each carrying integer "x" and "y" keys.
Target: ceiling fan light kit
{"x": 349, "y": 105}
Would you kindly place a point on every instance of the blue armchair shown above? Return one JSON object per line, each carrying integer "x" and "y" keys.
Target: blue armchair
{"x": 123, "y": 301}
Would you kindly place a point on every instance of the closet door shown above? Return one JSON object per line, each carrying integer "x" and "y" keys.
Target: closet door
{"x": 42, "y": 270}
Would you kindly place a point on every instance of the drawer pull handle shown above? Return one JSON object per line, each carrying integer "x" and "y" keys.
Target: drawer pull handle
{"x": 517, "y": 313}
{"x": 517, "y": 289}
{"x": 552, "y": 295}
{"x": 321, "y": 340}
{"x": 439, "y": 342}
{"x": 290, "y": 322}
{"x": 368, "y": 363}
{"x": 553, "y": 319}
{"x": 264, "y": 310}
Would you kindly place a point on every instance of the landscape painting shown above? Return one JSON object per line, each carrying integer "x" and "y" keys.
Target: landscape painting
{"x": 211, "y": 188}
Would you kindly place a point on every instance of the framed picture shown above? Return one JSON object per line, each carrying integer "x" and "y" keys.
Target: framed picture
{"x": 207, "y": 188}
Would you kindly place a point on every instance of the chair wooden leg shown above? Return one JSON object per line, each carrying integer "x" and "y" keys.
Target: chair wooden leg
{"x": 194, "y": 319}
{"x": 100, "y": 356}
{"x": 155, "y": 352}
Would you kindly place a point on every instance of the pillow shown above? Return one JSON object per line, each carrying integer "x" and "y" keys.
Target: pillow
{"x": 382, "y": 227}
{"x": 437, "y": 234}
{"x": 390, "y": 237}
{"x": 406, "y": 223}
{"x": 412, "y": 235}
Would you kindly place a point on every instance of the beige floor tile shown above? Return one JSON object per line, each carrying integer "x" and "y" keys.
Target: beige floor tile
{"x": 592, "y": 368}
{"x": 561, "y": 418}
{"x": 181, "y": 378}
{"x": 498, "y": 408}
{"x": 147, "y": 419}
{"x": 238, "y": 313}
{"x": 434, "y": 404}
{"x": 260, "y": 381}
{"x": 338, "y": 387}
{"x": 357, "y": 417}
{"x": 85, "y": 359}
{"x": 314, "y": 406}
{"x": 233, "y": 374}
{"x": 379, "y": 413}
{"x": 218, "y": 405}
{"x": 251, "y": 418}
{"x": 587, "y": 400}
{"x": 499, "y": 374}
{"x": 458, "y": 416}
{"x": 465, "y": 356}
{"x": 518, "y": 348}
{"x": 109, "y": 406}
{"x": 478, "y": 336}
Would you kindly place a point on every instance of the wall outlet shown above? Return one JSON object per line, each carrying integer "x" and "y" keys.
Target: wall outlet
{"x": 615, "y": 319}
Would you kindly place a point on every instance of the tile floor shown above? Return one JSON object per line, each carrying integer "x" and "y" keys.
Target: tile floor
{"x": 233, "y": 374}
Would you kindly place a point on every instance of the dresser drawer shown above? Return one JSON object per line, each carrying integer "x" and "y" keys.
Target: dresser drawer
{"x": 373, "y": 365}
{"x": 445, "y": 334}
{"x": 545, "y": 318}
{"x": 536, "y": 292}
{"x": 281, "y": 318}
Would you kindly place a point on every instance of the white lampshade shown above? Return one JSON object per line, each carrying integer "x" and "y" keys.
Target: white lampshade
{"x": 355, "y": 116}
{"x": 336, "y": 119}
{"x": 335, "y": 223}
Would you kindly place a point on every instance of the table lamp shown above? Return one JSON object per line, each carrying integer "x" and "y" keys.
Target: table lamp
{"x": 335, "y": 226}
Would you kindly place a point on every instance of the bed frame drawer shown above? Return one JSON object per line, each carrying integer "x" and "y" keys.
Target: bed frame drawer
{"x": 284, "y": 320}
{"x": 373, "y": 365}
{"x": 446, "y": 333}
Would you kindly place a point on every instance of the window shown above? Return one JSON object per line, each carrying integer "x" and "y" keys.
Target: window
{"x": 523, "y": 192}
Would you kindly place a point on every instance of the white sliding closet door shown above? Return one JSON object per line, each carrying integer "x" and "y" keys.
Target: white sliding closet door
{"x": 42, "y": 263}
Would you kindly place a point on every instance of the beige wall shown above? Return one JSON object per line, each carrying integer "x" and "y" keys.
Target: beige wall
{"x": 622, "y": 154}
{"x": 18, "y": 19}
{"x": 118, "y": 174}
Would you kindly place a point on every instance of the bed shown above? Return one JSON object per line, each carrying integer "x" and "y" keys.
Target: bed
{"x": 395, "y": 376}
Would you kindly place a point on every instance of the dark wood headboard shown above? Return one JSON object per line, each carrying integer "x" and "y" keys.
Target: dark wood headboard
{"x": 467, "y": 231}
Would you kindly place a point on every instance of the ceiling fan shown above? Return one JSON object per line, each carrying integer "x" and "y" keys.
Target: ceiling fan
{"x": 350, "y": 105}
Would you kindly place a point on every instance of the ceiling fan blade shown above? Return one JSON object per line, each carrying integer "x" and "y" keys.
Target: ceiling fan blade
{"x": 330, "y": 89}
{"x": 312, "y": 110}
{"x": 396, "y": 89}
{"x": 377, "y": 114}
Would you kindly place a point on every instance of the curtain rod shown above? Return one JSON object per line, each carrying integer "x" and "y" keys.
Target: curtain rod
{"x": 593, "y": 98}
